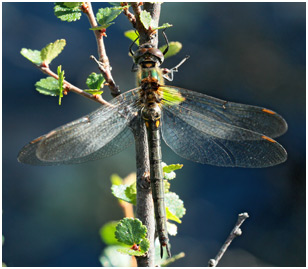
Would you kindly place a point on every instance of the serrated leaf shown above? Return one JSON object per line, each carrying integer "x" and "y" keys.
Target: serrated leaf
{"x": 131, "y": 193}
{"x": 65, "y": 13}
{"x": 174, "y": 48}
{"x": 130, "y": 231}
{"x": 52, "y": 50}
{"x": 175, "y": 209}
{"x": 170, "y": 176}
{"x": 95, "y": 81}
{"x": 112, "y": 258}
{"x": 72, "y": 4}
{"x": 60, "y": 82}
{"x": 172, "y": 228}
{"x": 105, "y": 16}
{"x": 48, "y": 86}
{"x": 116, "y": 180}
{"x": 107, "y": 233}
{"x": 172, "y": 167}
{"x": 32, "y": 55}
{"x": 166, "y": 186}
{"x": 118, "y": 4}
{"x": 146, "y": 19}
{"x": 119, "y": 192}
{"x": 144, "y": 245}
{"x": 164, "y": 26}
{"x": 132, "y": 35}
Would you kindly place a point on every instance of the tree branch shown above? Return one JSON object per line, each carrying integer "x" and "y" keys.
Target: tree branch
{"x": 106, "y": 68}
{"x": 71, "y": 88}
{"x": 234, "y": 233}
{"x": 145, "y": 206}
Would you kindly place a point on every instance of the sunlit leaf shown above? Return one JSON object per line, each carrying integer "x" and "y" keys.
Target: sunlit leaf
{"x": 130, "y": 231}
{"x": 95, "y": 81}
{"x": 107, "y": 233}
{"x": 111, "y": 257}
{"x": 60, "y": 82}
{"x": 48, "y": 86}
{"x": 67, "y": 11}
{"x": 52, "y": 50}
{"x": 132, "y": 35}
{"x": 146, "y": 19}
{"x": 175, "y": 209}
{"x": 32, "y": 55}
{"x": 174, "y": 48}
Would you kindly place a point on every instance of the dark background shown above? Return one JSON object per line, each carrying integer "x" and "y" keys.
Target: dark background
{"x": 250, "y": 53}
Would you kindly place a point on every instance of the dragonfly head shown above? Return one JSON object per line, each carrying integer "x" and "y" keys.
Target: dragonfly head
{"x": 147, "y": 56}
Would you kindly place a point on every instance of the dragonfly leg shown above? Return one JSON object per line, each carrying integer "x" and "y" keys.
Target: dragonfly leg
{"x": 168, "y": 73}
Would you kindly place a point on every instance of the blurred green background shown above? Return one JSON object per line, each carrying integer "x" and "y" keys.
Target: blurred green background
{"x": 250, "y": 53}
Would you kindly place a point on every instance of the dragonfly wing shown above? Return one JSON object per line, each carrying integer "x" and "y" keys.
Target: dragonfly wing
{"x": 198, "y": 145}
{"x": 256, "y": 119}
{"x": 116, "y": 145}
{"x": 86, "y": 138}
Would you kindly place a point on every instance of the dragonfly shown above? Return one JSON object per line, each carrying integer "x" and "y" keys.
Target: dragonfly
{"x": 195, "y": 126}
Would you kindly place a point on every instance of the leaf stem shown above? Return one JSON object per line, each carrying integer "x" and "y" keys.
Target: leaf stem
{"x": 236, "y": 231}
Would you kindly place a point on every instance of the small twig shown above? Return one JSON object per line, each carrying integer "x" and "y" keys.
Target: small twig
{"x": 106, "y": 68}
{"x": 173, "y": 259}
{"x": 71, "y": 88}
{"x": 131, "y": 17}
{"x": 234, "y": 233}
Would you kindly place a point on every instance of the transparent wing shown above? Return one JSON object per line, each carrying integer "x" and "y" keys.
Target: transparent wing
{"x": 102, "y": 133}
{"x": 206, "y": 133}
{"x": 219, "y": 112}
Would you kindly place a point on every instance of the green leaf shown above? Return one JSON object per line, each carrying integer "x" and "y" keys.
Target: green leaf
{"x": 66, "y": 11}
{"x": 164, "y": 26}
{"x": 146, "y": 19}
{"x": 112, "y": 258}
{"x": 107, "y": 233}
{"x": 116, "y": 180}
{"x": 119, "y": 192}
{"x": 172, "y": 228}
{"x": 105, "y": 16}
{"x": 168, "y": 170}
{"x": 130, "y": 231}
{"x": 166, "y": 186}
{"x": 172, "y": 167}
{"x": 174, "y": 207}
{"x": 95, "y": 81}
{"x": 132, "y": 35}
{"x": 118, "y": 4}
{"x": 170, "y": 176}
{"x": 48, "y": 86}
{"x": 72, "y": 4}
{"x": 131, "y": 193}
{"x": 32, "y": 55}
{"x": 60, "y": 82}
{"x": 174, "y": 48}
{"x": 52, "y": 50}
